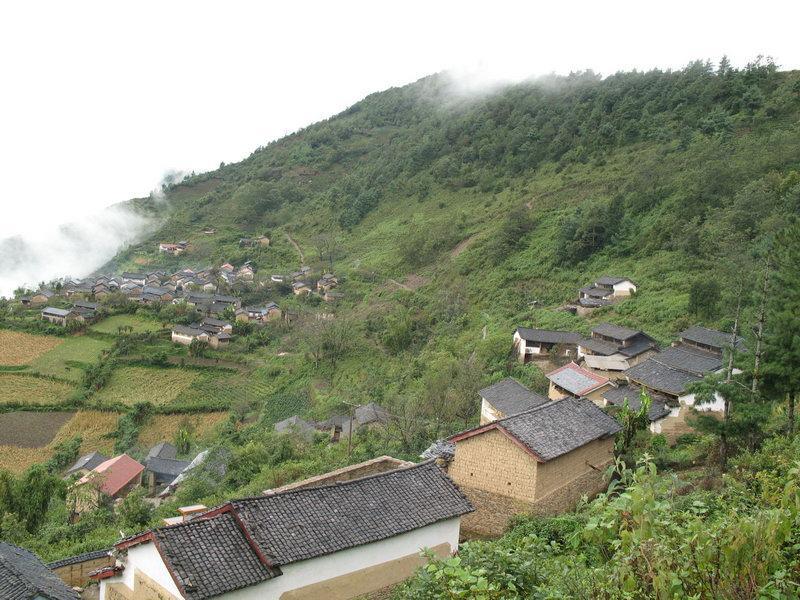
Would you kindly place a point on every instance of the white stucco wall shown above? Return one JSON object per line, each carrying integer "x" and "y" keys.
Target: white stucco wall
{"x": 718, "y": 405}
{"x": 624, "y": 288}
{"x": 146, "y": 559}
{"x": 488, "y": 412}
{"x": 303, "y": 573}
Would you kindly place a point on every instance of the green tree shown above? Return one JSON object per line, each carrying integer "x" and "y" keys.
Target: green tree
{"x": 782, "y": 339}
{"x": 704, "y": 298}
{"x": 135, "y": 511}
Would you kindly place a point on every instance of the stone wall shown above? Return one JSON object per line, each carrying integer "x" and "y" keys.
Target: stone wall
{"x": 77, "y": 574}
{"x": 492, "y": 513}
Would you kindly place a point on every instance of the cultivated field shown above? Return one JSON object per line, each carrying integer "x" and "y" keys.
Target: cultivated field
{"x": 129, "y": 385}
{"x": 17, "y": 348}
{"x": 163, "y": 427}
{"x": 28, "y": 389}
{"x": 113, "y": 324}
{"x": 59, "y": 427}
{"x": 66, "y": 359}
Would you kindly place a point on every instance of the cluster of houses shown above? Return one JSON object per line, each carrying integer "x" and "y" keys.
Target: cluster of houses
{"x": 604, "y": 291}
{"x": 214, "y": 332}
{"x": 337, "y": 427}
{"x": 98, "y": 478}
{"x": 174, "y": 249}
{"x": 259, "y": 241}
{"x": 303, "y": 284}
{"x": 615, "y": 364}
{"x": 81, "y": 311}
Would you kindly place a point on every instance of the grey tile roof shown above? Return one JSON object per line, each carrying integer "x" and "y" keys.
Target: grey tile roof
{"x": 211, "y": 557}
{"x": 371, "y": 413}
{"x": 162, "y": 450}
{"x": 617, "y": 396}
{"x": 593, "y": 302}
{"x": 216, "y": 554}
{"x": 596, "y": 292}
{"x": 79, "y": 558}
{"x": 711, "y": 337}
{"x": 57, "y": 312}
{"x": 640, "y": 344}
{"x": 611, "y": 280}
{"x": 439, "y": 449}
{"x": 576, "y": 380}
{"x": 688, "y": 359}
{"x": 87, "y": 461}
{"x": 510, "y": 397}
{"x": 166, "y": 469}
{"x": 558, "y": 427}
{"x": 599, "y": 346}
{"x": 660, "y": 377}
{"x": 616, "y": 332}
{"x": 547, "y": 336}
{"x": 306, "y": 523}
{"x": 24, "y": 577}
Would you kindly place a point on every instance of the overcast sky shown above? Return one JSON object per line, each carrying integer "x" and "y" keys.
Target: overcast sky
{"x": 99, "y": 99}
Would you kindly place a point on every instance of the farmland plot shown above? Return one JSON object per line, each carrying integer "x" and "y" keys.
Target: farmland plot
{"x": 66, "y": 359}
{"x": 28, "y": 389}
{"x": 129, "y": 385}
{"x": 17, "y": 348}
{"x": 137, "y": 324}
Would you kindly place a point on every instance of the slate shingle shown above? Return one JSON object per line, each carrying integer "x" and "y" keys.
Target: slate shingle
{"x": 510, "y": 397}
{"x": 24, "y": 577}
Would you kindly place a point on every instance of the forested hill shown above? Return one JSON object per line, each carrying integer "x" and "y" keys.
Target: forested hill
{"x": 520, "y": 194}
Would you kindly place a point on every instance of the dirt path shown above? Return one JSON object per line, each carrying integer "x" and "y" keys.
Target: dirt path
{"x": 296, "y": 247}
{"x": 462, "y": 245}
{"x": 402, "y": 286}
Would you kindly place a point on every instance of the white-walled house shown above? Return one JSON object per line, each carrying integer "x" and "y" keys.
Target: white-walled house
{"x": 531, "y": 344}
{"x": 505, "y": 398}
{"x": 332, "y": 542}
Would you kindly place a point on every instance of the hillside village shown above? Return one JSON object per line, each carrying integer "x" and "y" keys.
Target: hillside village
{"x": 538, "y": 346}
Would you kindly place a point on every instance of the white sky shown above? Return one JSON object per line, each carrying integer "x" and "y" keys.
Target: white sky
{"x": 98, "y": 99}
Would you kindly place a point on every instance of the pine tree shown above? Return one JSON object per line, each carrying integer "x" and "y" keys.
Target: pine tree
{"x": 782, "y": 342}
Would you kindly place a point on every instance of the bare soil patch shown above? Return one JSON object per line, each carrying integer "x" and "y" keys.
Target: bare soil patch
{"x": 462, "y": 245}
{"x": 31, "y": 429}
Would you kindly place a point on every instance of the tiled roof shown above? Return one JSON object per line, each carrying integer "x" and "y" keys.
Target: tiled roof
{"x": 610, "y": 280}
{"x": 595, "y": 292}
{"x": 640, "y": 344}
{"x": 24, "y": 577}
{"x": 510, "y": 397}
{"x": 245, "y": 542}
{"x": 599, "y": 346}
{"x": 710, "y": 337}
{"x": 617, "y": 396}
{"x": 555, "y": 428}
{"x": 73, "y": 560}
{"x": 371, "y": 413}
{"x": 88, "y": 461}
{"x": 293, "y": 422}
{"x": 166, "y": 467}
{"x": 162, "y": 450}
{"x": 547, "y": 336}
{"x": 656, "y": 376}
{"x": 114, "y": 474}
{"x": 616, "y": 332}
{"x": 302, "y": 524}
{"x": 576, "y": 380}
{"x": 211, "y": 557}
{"x": 57, "y": 312}
{"x": 687, "y": 359}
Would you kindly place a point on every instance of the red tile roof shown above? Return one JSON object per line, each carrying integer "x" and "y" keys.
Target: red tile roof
{"x": 114, "y": 474}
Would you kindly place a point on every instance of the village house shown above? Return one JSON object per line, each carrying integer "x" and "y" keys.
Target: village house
{"x": 531, "y": 344}
{"x": 611, "y": 349}
{"x": 173, "y": 249}
{"x": 332, "y": 296}
{"x": 74, "y": 571}
{"x": 669, "y": 374}
{"x": 23, "y": 576}
{"x": 261, "y": 240}
{"x": 605, "y": 290}
{"x": 113, "y": 479}
{"x": 216, "y": 464}
{"x": 505, "y": 398}
{"x": 259, "y": 314}
{"x": 300, "y": 288}
{"x": 205, "y": 332}
{"x": 245, "y": 273}
{"x": 162, "y": 467}
{"x": 132, "y": 277}
{"x": 327, "y": 282}
{"x": 61, "y": 316}
{"x": 85, "y": 463}
{"x": 37, "y": 298}
{"x": 154, "y": 295}
{"x": 540, "y": 461}
{"x": 297, "y": 425}
{"x": 371, "y": 542}
{"x": 709, "y": 340}
{"x": 659, "y": 410}
{"x": 576, "y": 382}
{"x": 88, "y": 310}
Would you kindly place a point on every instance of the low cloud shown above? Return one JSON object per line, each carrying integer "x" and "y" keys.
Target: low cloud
{"x": 72, "y": 249}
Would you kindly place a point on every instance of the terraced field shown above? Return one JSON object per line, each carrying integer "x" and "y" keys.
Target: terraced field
{"x": 66, "y": 359}
{"x": 20, "y": 430}
{"x": 17, "y": 348}
{"x": 18, "y": 388}
{"x": 137, "y": 324}
{"x": 129, "y": 385}
{"x": 163, "y": 427}
{"x": 225, "y": 389}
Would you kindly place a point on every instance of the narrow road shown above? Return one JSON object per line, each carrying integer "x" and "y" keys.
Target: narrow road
{"x": 296, "y": 247}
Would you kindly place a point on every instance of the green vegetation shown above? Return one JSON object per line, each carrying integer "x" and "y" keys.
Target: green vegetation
{"x": 450, "y": 221}
{"x": 21, "y": 389}
{"x": 69, "y": 359}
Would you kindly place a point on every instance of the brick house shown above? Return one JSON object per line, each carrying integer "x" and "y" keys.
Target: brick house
{"x": 505, "y": 398}
{"x": 576, "y": 382}
{"x": 539, "y": 461}
{"x": 293, "y": 544}
{"x": 114, "y": 478}
{"x": 530, "y": 344}
{"x": 61, "y": 316}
